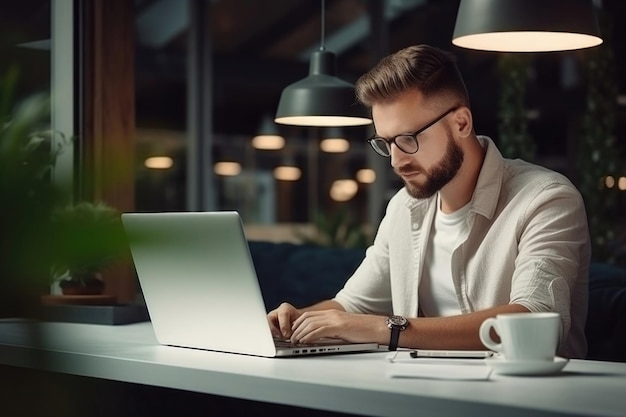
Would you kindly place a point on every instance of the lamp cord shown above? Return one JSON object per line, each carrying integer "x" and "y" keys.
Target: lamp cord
{"x": 323, "y": 19}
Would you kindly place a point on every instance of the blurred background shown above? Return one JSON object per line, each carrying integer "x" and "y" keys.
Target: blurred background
{"x": 210, "y": 73}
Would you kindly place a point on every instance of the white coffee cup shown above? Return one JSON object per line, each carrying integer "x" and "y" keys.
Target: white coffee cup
{"x": 523, "y": 336}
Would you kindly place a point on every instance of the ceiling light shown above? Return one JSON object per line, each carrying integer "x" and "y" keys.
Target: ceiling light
{"x": 268, "y": 142}
{"x": 287, "y": 170}
{"x": 159, "y": 162}
{"x": 321, "y": 99}
{"x": 268, "y": 137}
{"x": 526, "y": 25}
{"x": 334, "y": 141}
{"x": 227, "y": 169}
{"x": 334, "y": 145}
{"x": 366, "y": 176}
{"x": 287, "y": 173}
{"x": 343, "y": 190}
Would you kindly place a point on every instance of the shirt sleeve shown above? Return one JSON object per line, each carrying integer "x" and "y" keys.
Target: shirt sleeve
{"x": 553, "y": 250}
{"x": 368, "y": 290}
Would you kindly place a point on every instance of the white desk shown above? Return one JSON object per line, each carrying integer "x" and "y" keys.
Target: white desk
{"x": 354, "y": 384}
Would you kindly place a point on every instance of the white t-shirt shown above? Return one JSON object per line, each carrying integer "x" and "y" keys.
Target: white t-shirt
{"x": 437, "y": 296}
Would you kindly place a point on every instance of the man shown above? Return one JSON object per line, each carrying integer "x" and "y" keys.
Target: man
{"x": 470, "y": 235}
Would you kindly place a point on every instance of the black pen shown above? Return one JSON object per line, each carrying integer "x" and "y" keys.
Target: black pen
{"x": 451, "y": 354}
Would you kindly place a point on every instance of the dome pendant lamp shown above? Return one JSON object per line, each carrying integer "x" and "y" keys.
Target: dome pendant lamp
{"x": 526, "y": 25}
{"x": 321, "y": 99}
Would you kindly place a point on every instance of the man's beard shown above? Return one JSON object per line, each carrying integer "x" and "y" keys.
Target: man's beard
{"x": 439, "y": 175}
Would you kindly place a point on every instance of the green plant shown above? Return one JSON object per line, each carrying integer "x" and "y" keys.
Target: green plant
{"x": 88, "y": 239}
{"x": 597, "y": 154}
{"x": 513, "y": 138}
{"x": 28, "y": 151}
{"x": 338, "y": 230}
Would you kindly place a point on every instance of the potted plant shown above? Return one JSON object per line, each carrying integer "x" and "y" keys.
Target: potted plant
{"x": 338, "y": 230}
{"x": 88, "y": 239}
{"x": 28, "y": 151}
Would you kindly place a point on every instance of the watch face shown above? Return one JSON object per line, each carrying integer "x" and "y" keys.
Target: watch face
{"x": 397, "y": 321}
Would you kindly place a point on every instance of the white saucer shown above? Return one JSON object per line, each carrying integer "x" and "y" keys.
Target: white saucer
{"x": 504, "y": 367}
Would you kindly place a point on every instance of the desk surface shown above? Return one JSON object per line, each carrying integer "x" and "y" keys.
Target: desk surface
{"x": 354, "y": 383}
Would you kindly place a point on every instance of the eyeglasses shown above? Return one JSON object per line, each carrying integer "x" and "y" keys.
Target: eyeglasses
{"x": 406, "y": 142}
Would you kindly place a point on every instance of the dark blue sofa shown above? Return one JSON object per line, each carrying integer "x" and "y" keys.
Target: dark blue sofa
{"x": 606, "y": 318}
{"x": 302, "y": 274}
{"x": 305, "y": 274}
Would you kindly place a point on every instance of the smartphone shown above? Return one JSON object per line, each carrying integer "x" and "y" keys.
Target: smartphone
{"x": 457, "y": 354}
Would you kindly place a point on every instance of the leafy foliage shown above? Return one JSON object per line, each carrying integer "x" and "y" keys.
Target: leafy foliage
{"x": 337, "y": 230}
{"x": 513, "y": 138}
{"x": 597, "y": 156}
{"x": 27, "y": 157}
{"x": 88, "y": 239}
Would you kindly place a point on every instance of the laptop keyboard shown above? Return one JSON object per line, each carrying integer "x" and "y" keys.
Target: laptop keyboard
{"x": 321, "y": 342}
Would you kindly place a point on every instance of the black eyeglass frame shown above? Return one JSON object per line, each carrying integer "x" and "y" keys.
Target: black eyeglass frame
{"x": 412, "y": 135}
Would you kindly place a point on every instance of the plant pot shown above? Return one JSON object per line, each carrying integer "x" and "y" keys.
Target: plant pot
{"x": 90, "y": 285}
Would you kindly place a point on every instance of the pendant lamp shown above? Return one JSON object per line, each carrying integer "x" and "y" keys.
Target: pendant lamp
{"x": 268, "y": 137}
{"x": 287, "y": 170}
{"x": 321, "y": 99}
{"x": 526, "y": 25}
{"x": 333, "y": 141}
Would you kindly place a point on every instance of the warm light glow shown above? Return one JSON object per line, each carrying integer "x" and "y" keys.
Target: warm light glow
{"x": 527, "y": 41}
{"x": 268, "y": 142}
{"x": 609, "y": 182}
{"x": 366, "y": 176}
{"x": 334, "y": 145}
{"x": 343, "y": 190}
{"x": 321, "y": 121}
{"x": 621, "y": 183}
{"x": 287, "y": 173}
{"x": 227, "y": 169}
{"x": 159, "y": 162}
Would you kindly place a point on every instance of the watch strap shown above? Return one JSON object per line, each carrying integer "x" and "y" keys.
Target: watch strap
{"x": 395, "y": 336}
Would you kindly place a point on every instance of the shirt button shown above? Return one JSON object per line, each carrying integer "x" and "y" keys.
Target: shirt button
{"x": 415, "y": 226}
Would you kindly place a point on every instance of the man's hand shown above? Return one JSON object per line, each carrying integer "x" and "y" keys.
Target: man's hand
{"x": 281, "y": 320}
{"x": 313, "y": 325}
{"x": 325, "y": 319}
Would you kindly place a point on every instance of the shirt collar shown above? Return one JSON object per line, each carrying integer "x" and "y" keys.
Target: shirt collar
{"x": 487, "y": 191}
{"x": 485, "y": 197}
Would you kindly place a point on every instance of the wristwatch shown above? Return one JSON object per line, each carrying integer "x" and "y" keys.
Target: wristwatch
{"x": 396, "y": 324}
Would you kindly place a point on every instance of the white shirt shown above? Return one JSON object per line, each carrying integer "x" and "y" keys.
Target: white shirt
{"x": 528, "y": 244}
{"x": 437, "y": 295}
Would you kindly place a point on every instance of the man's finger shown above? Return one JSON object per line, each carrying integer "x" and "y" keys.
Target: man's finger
{"x": 284, "y": 323}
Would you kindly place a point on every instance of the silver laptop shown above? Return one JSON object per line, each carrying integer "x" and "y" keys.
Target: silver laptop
{"x": 201, "y": 288}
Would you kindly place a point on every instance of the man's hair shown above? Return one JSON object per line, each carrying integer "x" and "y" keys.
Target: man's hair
{"x": 422, "y": 67}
